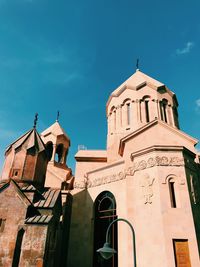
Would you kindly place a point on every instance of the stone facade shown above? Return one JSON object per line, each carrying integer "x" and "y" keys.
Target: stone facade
{"x": 150, "y": 170}
{"x": 34, "y": 219}
{"x": 149, "y": 175}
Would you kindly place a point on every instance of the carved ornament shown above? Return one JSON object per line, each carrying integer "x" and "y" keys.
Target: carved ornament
{"x": 146, "y": 184}
{"x": 137, "y": 166}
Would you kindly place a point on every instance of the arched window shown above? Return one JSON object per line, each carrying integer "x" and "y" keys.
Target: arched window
{"x": 172, "y": 192}
{"x": 59, "y": 153}
{"x": 147, "y": 110}
{"x": 163, "y": 109}
{"x": 115, "y": 118}
{"x": 128, "y": 113}
{"x": 146, "y": 100}
{"x": 18, "y": 244}
{"x": 112, "y": 119}
{"x": 49, "y": 150}
{"x": 105, "y": 213}
{"x": 2, "y": 224}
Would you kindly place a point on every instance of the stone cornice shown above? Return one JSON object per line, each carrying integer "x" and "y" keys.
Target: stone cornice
{"x": 161, "y": 148}
{"x": 163, "y": 160}
{"x": 149, "y": 125}
{"x": 106, "y": 167}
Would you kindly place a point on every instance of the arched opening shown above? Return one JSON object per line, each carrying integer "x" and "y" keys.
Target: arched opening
{"x": 18, "y": 244}
{"x": 112, "y": 123}
{"x": 172, "y": 193}
{"x": 146, "y": 111}
{"x": 59, "y": 153}
{"x": 128, "y": 113}
{"x": 115, "y": 118}
{"x": 163, "y": 110}
{"x": 49, "y": 150}
{"x": 105, "y": 213}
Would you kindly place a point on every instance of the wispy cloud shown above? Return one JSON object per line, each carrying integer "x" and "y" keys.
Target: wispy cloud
{"x": 186, "y": 49}
{"x": 197, "y": 106}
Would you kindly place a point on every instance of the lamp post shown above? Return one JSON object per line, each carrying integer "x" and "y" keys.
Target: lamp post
{"x": 107, "y": 252}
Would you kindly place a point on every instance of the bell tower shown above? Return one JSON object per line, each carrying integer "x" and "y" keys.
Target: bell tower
{"x": 57, "y": 145}
{"x": 135, "y": 103}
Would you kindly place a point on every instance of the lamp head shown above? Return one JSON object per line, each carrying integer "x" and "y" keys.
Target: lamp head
{"x": 106, "y": 251}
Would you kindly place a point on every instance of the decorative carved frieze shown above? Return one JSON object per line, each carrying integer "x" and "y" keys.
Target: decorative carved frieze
{"x": 137, "y": 166}
{"x": 158, "y": 161}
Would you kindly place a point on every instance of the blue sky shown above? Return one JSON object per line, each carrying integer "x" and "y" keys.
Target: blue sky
{"x": 70, "y": 55}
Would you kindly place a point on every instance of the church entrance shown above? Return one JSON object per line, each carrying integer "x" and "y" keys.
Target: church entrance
{"x": 105, "y": 213}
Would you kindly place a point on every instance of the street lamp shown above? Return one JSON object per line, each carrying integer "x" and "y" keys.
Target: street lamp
{"x": 107, "y": 252}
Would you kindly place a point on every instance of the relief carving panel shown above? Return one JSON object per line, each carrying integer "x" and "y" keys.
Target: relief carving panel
{"x": 137, "y": 166}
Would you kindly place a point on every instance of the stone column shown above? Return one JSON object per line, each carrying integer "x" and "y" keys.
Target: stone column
{"x": 153, "y": 110}
{"x": 53, "y": 153}
{"x": 120, "y": 116}
{"x": 118, "y": 122}
{"x": 168, "y": 112}
{"x": 171, "y": 115}
{"x": 112, "y": 122}
{"x": 63, "y": 156}
{"x": 139, "y": 119}
{"x": 109, "y": 124}
{"x": 133, "y": 114}
{"x": 124, "y": 119}
{"x": 142, "y": 110}
{"x": 158, "y": 109}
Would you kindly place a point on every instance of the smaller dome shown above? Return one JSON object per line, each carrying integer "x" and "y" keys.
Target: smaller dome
{"x": 28, "y": 140}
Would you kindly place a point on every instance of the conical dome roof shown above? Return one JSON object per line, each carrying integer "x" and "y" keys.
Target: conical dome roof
{"x": 136, "y": 82}
{"x": 28, "y": 140}
{"x": 55, "y": 129}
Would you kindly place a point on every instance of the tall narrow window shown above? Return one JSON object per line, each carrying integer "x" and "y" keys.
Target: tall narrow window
{"x": 172, "y": 193}
{"x": 161, "y": 111}
{"x": 128, "y": 113}
{"x": 2, "y": 224}
{"x": 105, "y": 213}
{"x": 18, "y": 244}
{"x": 147, "y": 110}
{"x": 164, "y": 112}
{"x": 115, "y": 119}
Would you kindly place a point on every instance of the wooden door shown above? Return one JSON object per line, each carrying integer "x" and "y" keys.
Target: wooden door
{"x": 181, "y": 251}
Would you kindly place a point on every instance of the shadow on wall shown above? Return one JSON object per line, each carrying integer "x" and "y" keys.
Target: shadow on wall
{"x": 80, "y": 247}
{"x": 89, "y": 222}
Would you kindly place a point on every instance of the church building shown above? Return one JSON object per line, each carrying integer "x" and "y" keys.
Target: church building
{"x": 140, "y": 196}
{"x": 148, "y": 175}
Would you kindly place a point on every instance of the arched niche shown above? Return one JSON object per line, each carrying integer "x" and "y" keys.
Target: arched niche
{"x": 49, "y": 150}
{"x": 146, "y": 100}
{"x": 17, "y": 251}
{"x": 59, "y": 153}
